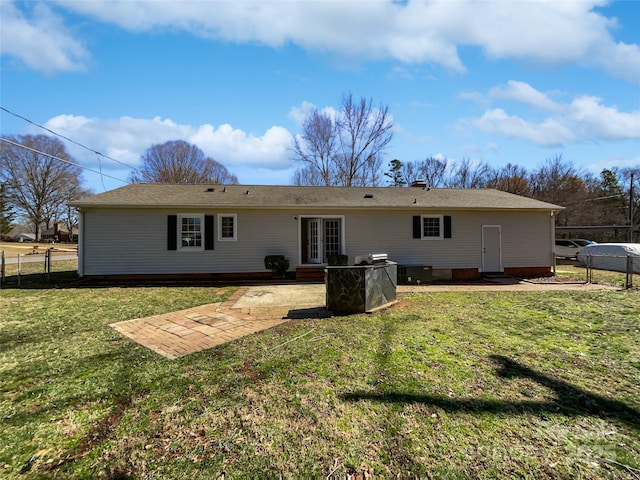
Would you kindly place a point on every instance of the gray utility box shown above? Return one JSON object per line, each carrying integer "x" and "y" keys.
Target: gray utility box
{"x": 414, "y": 274}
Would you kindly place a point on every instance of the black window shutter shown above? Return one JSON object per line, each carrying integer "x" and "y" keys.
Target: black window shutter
{"x": 417, "y": 226}
{"x": 172, "y": 232}
{"x": 447, "y": 226}
{"x": 208, "y": 232}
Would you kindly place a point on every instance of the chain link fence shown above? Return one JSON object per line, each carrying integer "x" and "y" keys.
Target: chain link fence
{"x": 627, "y": 266}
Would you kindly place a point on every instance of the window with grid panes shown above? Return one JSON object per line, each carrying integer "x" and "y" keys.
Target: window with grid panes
{"x": 431, "y": 227}
{"x": 190, "y": 231}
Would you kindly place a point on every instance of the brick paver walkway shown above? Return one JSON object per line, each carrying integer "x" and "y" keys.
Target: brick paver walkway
{"x": 175, "y": 334}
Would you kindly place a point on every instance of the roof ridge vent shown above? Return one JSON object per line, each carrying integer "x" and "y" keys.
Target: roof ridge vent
{"x": 210, "y": 189}
{"x": 419, "y": 183}
{"x": 368, "y": 195}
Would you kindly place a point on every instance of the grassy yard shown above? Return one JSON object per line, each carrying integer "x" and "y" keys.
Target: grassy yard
{"x": 447, "y": 385}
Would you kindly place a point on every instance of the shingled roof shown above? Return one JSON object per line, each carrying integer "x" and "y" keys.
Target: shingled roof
{"x": 141, "y": 195}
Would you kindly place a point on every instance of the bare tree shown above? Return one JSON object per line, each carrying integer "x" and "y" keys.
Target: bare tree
{"x": 69, "y": 217}
{"x": 432, "y": 170}
{"x": 307, "y": 176}
{"x": 469, "y": 174}
{"x": 510, "y": 178}
{"x": 316, "y": 148}
{"x": 558, "y": 181}
{"x": 410, "y": 172}
{"x": 344, "y": 150}
{"x": 39, "y": 177}
{"x": 179, "y": 162}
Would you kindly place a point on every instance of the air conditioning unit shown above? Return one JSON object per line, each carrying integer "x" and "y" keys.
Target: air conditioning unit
{"x": 415, "y": 274}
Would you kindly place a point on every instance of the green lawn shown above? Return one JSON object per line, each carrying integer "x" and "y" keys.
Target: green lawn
{"x": 446, "y": 385}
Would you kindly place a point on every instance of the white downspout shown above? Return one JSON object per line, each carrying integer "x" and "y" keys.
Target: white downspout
{"x": 80, "y": 243}
{"x": 553, "y": 242}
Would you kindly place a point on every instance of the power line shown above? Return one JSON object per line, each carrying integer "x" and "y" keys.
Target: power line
{"x": 66, "y": 138}
{"x": 61, "y": 159}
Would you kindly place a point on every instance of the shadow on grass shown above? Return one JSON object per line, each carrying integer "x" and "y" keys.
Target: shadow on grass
{"x": 570, "y": 400}
{"x": 309, "y": 313}
{"x": 52, "y": 396}
{"x": 69, "y": 279}
{"x": 42, "y": 281}
{"x": 34, "y": 383}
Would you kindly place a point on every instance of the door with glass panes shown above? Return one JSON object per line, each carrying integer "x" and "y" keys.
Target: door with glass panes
{"x": 323, "y": 239}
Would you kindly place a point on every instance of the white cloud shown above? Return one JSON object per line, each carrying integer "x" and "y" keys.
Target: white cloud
{"x": 411, "y": 32}
{"x": 298, "y": 114}
{"x": 584, "y": 119}
{"x": 126, "y": 139}
{"x": 613, "y": 161}
{"x": 473, "y": 96}
{"x": 598, "y": 121}
{"x": 548, "y": 133}
{"x": 524, "y": 93}
{"x": 235, "y": 147}
{"x": 42, "y": 42}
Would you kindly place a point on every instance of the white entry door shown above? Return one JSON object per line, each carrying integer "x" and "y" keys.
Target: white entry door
{"x": 315, "y": 240}
{"x": 491, "y": 248}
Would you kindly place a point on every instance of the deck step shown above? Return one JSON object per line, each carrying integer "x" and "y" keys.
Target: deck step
{"x": 310, "y": 274}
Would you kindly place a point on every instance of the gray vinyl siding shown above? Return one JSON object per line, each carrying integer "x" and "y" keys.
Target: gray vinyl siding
{"x": 119, "y": 242}
{"x": 134, "y": 241}
{"x": 526, "y": 238}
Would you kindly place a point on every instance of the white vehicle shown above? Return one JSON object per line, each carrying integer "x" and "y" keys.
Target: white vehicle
{"x": 569, "y": 247}
{"x": 611, "y": 256}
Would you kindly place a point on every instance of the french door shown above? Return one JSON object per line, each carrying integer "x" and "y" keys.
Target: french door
{"x": 324, "y": 238}
{"x": 315, "y": 240}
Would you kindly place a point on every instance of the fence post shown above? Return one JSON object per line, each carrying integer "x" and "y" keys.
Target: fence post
{"x": 49, "y": 266}
{"x": 2, "y": 269}
{"x": 19, "y": 267}
{"x": 629, "y": 280}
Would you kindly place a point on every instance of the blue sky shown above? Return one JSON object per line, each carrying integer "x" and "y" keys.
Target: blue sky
{"x": 493, "y": 81}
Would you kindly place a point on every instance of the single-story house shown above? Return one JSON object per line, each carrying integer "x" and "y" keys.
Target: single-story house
{"x": 60, "y": 233}
{"x": 18, "y": 233}
{"x": 218, "y": 231}
{"x": 24, "y": 237}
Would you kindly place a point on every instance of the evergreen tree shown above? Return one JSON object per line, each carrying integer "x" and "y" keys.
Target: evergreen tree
{"x": 6, "y": 213}
{"x": 395, "y": 173}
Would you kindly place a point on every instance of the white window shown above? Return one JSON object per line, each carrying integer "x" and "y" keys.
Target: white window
{"x": 227, "y": 227}
{"x": 432, "y": 227}
{"x": 190, "y": 231}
